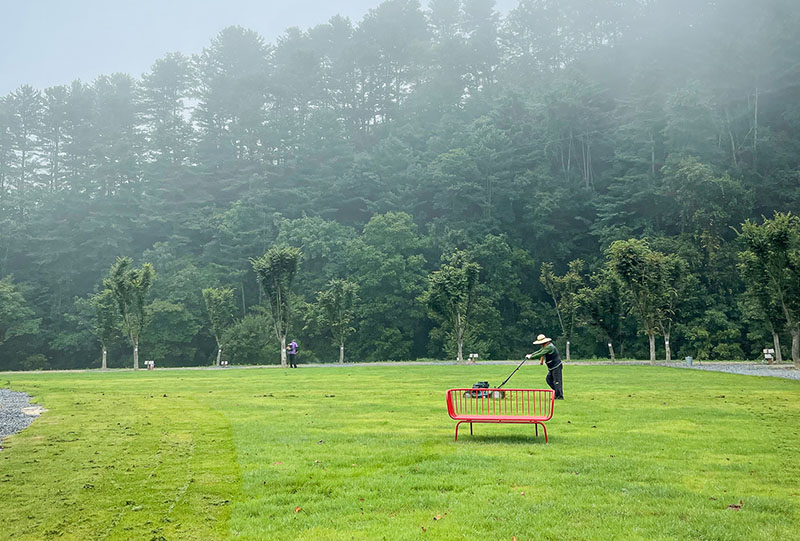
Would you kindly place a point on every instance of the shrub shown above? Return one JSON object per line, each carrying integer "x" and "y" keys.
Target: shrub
{"x": 250, "y": 341}
{"x": 36, "y": 362}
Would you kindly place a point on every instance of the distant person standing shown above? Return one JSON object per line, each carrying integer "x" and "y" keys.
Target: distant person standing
{"x": 292, "y": 349}
{"x": 549, "y": 354}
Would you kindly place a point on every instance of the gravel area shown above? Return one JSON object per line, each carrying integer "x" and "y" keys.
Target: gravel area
{"x": 748, "y": 369}
{"x": 16, "y": 412}
{"x": 745, "y": 368}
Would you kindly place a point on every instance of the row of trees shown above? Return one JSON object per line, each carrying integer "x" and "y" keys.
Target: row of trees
{"x": 381, "y": 149}
{"x": 635, "y": 280}
{"x": 122, "y": 307}
{"x": 657, "y": 288}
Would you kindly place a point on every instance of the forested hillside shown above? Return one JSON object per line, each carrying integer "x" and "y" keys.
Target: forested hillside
{"x": 420, "y": 136}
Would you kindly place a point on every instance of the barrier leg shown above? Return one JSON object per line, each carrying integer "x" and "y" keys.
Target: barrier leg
{"x": 458, "y": 423}
{"x": 544, "y": 428}
{"x": 470, "y": 429}
{"x": 536, "y": 427}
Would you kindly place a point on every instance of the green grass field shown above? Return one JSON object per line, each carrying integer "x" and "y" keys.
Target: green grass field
{"x": 367, "y": 452}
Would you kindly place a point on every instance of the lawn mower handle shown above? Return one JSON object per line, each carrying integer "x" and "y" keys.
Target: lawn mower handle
{"x": 511, "y": 374}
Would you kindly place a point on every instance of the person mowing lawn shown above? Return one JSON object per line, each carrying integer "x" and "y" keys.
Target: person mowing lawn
{"x": 549, "y": 354}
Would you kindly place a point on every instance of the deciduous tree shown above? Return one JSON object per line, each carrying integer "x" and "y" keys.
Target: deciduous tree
{"x": 336, "y": 304}
{"x": 773, "y": 248}
{"x": 451, "y": 296}
{"x": 600, "y": 305}
{"x": 16, "y": 316}
{"x": 639, "y": 270}
{"x": 130, "y": 286}
{"x": 220, "y": 306}
{"x": 106, "y": 321}
{"x": 275, "y": 271}
{"x": 564, "y": 292}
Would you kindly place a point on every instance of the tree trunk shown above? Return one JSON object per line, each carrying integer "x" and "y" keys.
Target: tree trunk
{"x": 611, "y": 352}
{"x": 652, "y": 155}
{"x": 283, "y": 351}
{"x": 776, "y": 341}
{"x": 103, "y": 364}
{"x": 341, "y": 353}
{"x": 652, "y": 336}
{"x": 459, "y": 337}
{"x": 136, "y": 353}
{"x": 219, "y": 354}
{"x": 666, "y": 347}
{"x": 568, "y": 357}
{"x": 244, "y": 304}
{"x": 796, "y": 347}
{"x": 755, "y": 145}
{"x": 733, "y": 140}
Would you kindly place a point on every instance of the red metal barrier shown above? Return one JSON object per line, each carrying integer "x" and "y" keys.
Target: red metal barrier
{"x": 522, "y": 406}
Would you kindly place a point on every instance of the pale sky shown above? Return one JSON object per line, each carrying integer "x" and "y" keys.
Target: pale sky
{"x": 52, "y": 42}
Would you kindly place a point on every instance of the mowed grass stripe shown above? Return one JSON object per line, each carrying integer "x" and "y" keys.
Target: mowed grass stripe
{"x": 112, "y": 460}
{"x": 366, "y": 452}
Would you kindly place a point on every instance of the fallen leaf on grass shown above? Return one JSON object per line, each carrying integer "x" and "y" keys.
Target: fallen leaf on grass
{"x": 513, "y": 538}
{"x": 522, "y": 493}
{"x": 437, "y": 517}
{"x": 277, "y": 463}
{"x": 424, "y": 529}
{"x": 736, "y": 507}
{"x": 298, "y": 509}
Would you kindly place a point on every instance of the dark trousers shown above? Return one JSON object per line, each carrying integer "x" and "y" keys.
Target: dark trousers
{"x": 555, "y": 382}
{"x": 293, "y": 360}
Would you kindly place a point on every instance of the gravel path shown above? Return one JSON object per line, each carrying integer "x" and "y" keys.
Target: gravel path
{"x": 747, "y": 369}
{"x": 16, "y": 412}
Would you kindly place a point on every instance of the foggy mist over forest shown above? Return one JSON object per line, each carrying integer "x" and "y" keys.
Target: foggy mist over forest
{"x": 56, "y": 42}
{"x": 543, "y": 141}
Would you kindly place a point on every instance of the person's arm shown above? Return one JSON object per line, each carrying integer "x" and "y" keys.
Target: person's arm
{"x": 544, "y": 351}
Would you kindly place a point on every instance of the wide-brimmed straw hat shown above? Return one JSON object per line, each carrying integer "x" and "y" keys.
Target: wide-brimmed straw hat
{"x": 541, "y": 339}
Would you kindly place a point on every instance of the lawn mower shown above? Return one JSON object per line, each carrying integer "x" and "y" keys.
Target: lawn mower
{"x": 477, "y": 391}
